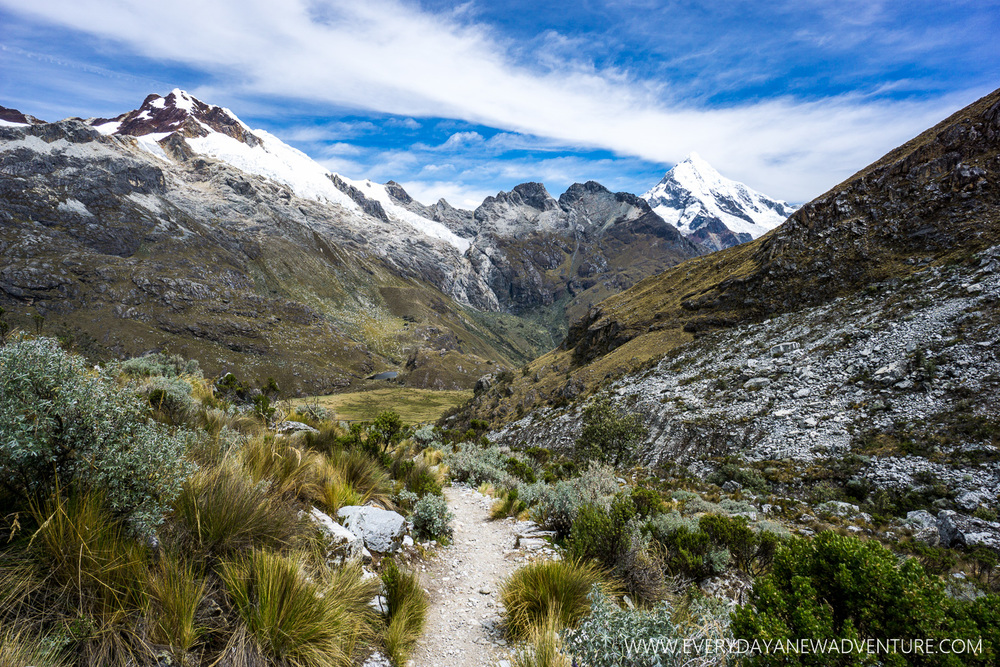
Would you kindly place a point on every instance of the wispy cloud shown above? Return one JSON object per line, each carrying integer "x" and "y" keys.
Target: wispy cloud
{"x": 390, "y": 56}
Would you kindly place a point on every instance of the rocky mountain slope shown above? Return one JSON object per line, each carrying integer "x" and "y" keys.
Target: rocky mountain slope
{"x": 843, "y": 366}
{"x": 935, "y": 200}
{"x": 177, "y": 226}
{"x": 711, "y": 209}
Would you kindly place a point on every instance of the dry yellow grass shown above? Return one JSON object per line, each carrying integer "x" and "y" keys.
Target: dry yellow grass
{"x": 413, "y": 405}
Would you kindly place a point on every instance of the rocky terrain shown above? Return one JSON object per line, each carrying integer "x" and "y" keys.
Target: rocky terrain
{"x": 890, "y": 391}
{"x": 848, "y": 357}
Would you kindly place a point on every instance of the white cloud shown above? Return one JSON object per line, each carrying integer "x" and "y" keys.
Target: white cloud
{"x": 391, "y": 57}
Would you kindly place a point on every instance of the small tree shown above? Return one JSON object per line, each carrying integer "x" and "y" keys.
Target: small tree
{"x": 609, "y": 434}
{"x": 387, "y": 430}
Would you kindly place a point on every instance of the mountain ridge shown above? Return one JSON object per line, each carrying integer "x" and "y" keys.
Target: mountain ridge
{"x": 184, "y": 229}
{"x": 935, "y": 199}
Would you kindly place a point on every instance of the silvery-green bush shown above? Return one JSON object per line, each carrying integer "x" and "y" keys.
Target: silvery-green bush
{"x": 475, "y": 465}
{"x": 159, "y": 364}
{"x": 655, "y": 637}
{"x": 67, "y": 426}
{"x": 431, "y": 518}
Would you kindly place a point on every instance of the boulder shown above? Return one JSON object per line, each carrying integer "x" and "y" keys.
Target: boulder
{"x": 959, "y": 530}
{"x": 381, "y": 530}
{"x": 892, "y": 373}
{"x": 781, "y": 348}
{"x": 756, "y": 383}
{"x": 924, "y": 526}
{"x": 342, "y": 544}
{"x": 950, "y": 535}
{"x": 292, "y": 427}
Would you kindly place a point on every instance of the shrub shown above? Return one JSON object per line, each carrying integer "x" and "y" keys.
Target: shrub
{"x": 603, "y": 535}
{"x": 612, "y": 538}
{"x": 520, "y": 470}
{"x": 65, "y": 425}
{"x": 837, "y": 587}
{"x": 170, "y": 399}
{"x": 159, "y": 364}
{"x": 547, "y": 589}
{"x": 476, "y": 465}
{"x": 647, "y": 502}
{"x": 406, "y": 610}
{"x": 295, "y": 617}
{"x": 752, "y": 551}
{"x": 425, "y": 434}
{"x": 387, "y": 430}
{"x": 608, "y": 434}
{"x": 610, "y": 635}
{"x": 688, "y": 550}
{"x": 557, "y": 505}
{"x": 431, "y": 517}
{"x": 748, "y": 478}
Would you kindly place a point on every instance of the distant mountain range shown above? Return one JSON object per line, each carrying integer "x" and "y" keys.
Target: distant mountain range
{"x": 176, "y": 225}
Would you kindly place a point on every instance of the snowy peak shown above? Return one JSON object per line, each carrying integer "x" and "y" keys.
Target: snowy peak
{"x": 712, "y": 209}
{"x": 178, "y": 112}
{"x": 13, "y": 117}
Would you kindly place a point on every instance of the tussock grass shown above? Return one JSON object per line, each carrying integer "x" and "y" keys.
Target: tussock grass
{"x": 544, "y": 646}
{"x": 19, "y": 648}
{"x": 406, "y": 611}
{"x": 176, "y": 588}
{"x": 298, "y": 618}
{"x": 89, "y": 557}
{"x": 547, "y": 589}
{"x": 363, "y": 473}
{"x": 224, "y": 511}
{"x": 509, "y": 504}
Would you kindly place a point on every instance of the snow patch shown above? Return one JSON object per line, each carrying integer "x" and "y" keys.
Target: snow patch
{"x": 277, "y": 161}
{"x": 182, "y": 100}
{"x": 8, "y": 123}
{"x": 432, "y": 228}
{"x": 108, "y": 128}
{"x": 149, "y": 142}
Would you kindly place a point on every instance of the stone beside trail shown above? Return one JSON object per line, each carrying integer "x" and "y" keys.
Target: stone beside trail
{"x": 463, "y": 581}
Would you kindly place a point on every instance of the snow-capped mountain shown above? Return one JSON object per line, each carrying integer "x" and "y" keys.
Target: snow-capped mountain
{"x": 178, "y": 224}
{"x": 712, "y": 209}
{"x": 217, "y": 132}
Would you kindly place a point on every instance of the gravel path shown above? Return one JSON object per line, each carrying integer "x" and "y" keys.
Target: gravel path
{"x": 463, "y": 579}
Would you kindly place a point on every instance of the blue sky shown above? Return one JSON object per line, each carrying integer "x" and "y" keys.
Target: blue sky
{"x": 460, "y": 100}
